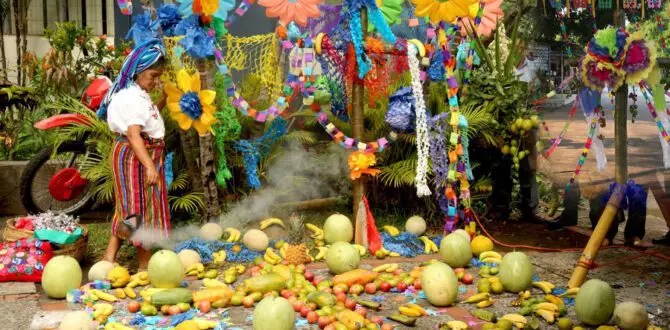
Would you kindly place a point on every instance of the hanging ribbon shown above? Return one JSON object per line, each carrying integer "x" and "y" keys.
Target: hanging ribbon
{"x": 422, "y": 189}
{"x": 253, "y": 150}
{"x": 661, "y": 119}
{"x": 559, "y": 138}
{"x": 356, "y": 29}
{"x": 585, "y": 151}
{"x": 126, "y": 7}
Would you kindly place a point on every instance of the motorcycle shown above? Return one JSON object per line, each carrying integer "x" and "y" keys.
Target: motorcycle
{"x": 52, "y": 180}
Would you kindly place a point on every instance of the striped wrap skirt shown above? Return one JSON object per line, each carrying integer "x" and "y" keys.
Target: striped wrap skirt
{"x": 132, "y": 196}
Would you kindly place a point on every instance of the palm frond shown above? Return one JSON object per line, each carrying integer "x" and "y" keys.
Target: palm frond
{"x": 400, "y": 173}
{"x": 190, "y": 203}
{"x": 302, "y": 137}
{"x": 181, "y": 182}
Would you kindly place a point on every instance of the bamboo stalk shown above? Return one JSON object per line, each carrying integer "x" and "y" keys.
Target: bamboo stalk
{"x": 357, "y": 121}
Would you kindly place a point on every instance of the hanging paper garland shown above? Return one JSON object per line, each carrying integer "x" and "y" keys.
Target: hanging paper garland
{"x": 126, "y": 7}
{"x": 564, "y": 32}
{"x": 585, "y": 151}
{"x": 422, "y": 143}
{"x": 559, "y": 138}
{"x": 242, "y": 9}
{"x": 351, "y": 143}
{"x": 604, "y": 4}
{"x": 661, "y": 129}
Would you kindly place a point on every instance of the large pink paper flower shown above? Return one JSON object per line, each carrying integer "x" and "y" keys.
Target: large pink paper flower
{"x": 291, "y": 10}
{"x": 492, "y": 14}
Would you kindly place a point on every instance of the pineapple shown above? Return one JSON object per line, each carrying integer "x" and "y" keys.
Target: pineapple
{"x": 296, "y": 250}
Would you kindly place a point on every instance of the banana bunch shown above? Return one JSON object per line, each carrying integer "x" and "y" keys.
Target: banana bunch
{"x": 116, "y": 326}
{"x": 523, "y": 296}
{"x": 554, "y": 300}
{"x": 317, "y": 233}
{"x": 271, "y": 256}
{"x": 230, "y": 275}
{"x": 545, "y": 286}
{"x": 282, "y": 250}
{"x": 389, "y": 268}
{"x": 429, "y": 246}
{"x": 570, "y": 293}
{"x": 130, "y": 292}
{"x": 412, "y": 310}
{"x": 120, "y": 293}
{"x": 101, "y": 311}
{"x": 383, "y": 253}
{"x": 219, "y": 257}
{"x": 457, "y": 325}
{"x": 100, "y": 294}
{"x": 141, "y": 278}
{"x": 548, "y": 311}
{"x": 490, "y": 257}
{"x": 518, "y": 320}
{"x": 212, "y": 283}
{"x": 361, "y": 249}
{"x": 233, "y": 235}
{"x": 197, "y": 269}
{"x": 272, "y": 221}
{"x": 321, "y": 254}
{"x": 392, "y": 230}
{"x": 477, "y": 298}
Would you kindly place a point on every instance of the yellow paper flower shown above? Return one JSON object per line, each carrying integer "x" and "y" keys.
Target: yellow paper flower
{"x": 189, "y": 105}
{"x": 442, "y": 10}
{"x": 209, "y": 7}
{"x": 360, "y": 162}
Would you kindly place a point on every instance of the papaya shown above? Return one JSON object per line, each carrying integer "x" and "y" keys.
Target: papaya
{"x": 350, "y": 319}
{"x": 356, "y": 276}
{"x": 212, "y": 294}
{"x": 283, "y": 271}
{"x": 172, "y": 296}
{"x": 266, "y": 283}
{"x": 321, "y": 299}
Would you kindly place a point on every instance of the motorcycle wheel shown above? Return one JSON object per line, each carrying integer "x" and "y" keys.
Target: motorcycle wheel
{"x": 35, "y": 179}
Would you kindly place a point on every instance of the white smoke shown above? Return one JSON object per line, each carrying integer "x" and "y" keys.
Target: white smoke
{"x": 295, "y": 174}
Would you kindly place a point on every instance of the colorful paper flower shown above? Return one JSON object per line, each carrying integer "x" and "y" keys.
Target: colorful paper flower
{"x": 639, "y": 60}
{"x": 189, "y": 105}
{"x": 198, "y": 43}
{"x": 360, "y": 163}
{"x": 490, "y": 16}
{"x": 143, "y": 28}
{"x": 442, "y": 10}
{"x": 391, "y": 10}
{"x": 291, "y": 10}
{"x": 190, "y": 22}
{"x": 207, "y": 6}
{"x": 608, "y": 44}
{"x": 597, "y": 74}
{"x": 168, "y": 17}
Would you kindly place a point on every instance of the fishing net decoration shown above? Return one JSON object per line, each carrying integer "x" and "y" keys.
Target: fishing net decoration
{"x": 175, "y": 60}
{"x": 256, "y": 55}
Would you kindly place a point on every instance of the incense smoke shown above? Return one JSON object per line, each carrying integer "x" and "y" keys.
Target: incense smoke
{"x": 293, "y": 175}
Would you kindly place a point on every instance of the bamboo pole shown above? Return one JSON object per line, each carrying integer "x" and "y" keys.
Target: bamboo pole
{"x": 357, "y": 120}
{"x": 597, "y": 237}
{"x": 620, "y": 125}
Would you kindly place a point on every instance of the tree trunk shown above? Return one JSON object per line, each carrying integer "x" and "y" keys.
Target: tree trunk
{"x": 17, "y": 26}
{"x": 207, "y": 159}
{"x": 2, "y": 48}
{"x": 190, "y": 147}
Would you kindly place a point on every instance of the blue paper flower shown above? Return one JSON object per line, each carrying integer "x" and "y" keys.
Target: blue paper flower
{"x": 143, "y": 28}
{"x": 190, "y": 105}
{"x": 168, "y": 16}
{"x": 186, "y": 8}
{"x": 186, "y": 24}
{"x": 198, "y": 43}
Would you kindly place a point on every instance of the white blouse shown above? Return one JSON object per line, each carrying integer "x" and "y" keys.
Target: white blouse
{"x": 133, "y": 106}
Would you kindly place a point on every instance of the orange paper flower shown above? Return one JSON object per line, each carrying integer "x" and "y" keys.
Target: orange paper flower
{"x": 291, "y": 10}
{"x": 360, "y": 162}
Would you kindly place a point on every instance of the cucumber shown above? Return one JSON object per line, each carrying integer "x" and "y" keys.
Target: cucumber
{"x": 369, "y": 304}
{"x": 484, "y": 315}
{"x": 402, "y": 319}
{"x": 172, "y": 297}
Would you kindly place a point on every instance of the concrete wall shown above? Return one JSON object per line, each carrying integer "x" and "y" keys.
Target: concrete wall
{"x": 10, "y": 199}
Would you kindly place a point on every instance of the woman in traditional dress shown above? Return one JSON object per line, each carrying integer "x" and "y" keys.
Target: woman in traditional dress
{"x": 137, "y": 156}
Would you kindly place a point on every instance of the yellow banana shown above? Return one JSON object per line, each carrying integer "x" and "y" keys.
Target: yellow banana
{"x": 205, "y": 324}
{"x": 319, "y": 242}
{"x": 240, "y": 269}
{"x": 272, "y": 221}
{"x": 409, "y": 311}
{"x": 102, "y": 309}
{"x": 489, "y": 254}
{"x": 554, "y": 300}
{"x": 546, "y": 287}
{"x": 269, "y": 259}
{"x": 211, "y": 283}
{"x": 478, "y": 298}
{"x": 116, "y": 326}
{"x": 104, "y": 295}
{"x": 547, "y": 315}
{"x": 93, "y": 296}
{"x": 417, "y": 308}
{"x": 524, "y": 294}
{"x": 391, "y": 230}
{"x": 515, "y": 318}
{"x": 491, "y": 260}
{"x": 130, "y": 293}
{"x": 315, "y": 230}
{"x": 282, "y": 251}
{"x": 119, "y": 293}
{"x": 570, "y": 293}
{"x": 233, "y": 236}
{"x": 429, "y": 245}
{"x": 485, "y": 303}
{"x": 361, "y": 249}
{"x": 394, "y": 254}
{"x": 270, "y": 252}
{"x": 381, "y": 268}
{"x": 546, "y": 306}
{"x": 322, "y": 253}
{"x": 457, "y": 325}
{"x": 392, "y": 268}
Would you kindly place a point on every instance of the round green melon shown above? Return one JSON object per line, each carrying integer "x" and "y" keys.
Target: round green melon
{"x": 342, "y": 257}
{"x": 165, "y": 270}
{"x": 274, "y": 313}
{"x": 516, "y": 272}
{"x": 631, "y": 316}
{"x": 595, "y": 302}
{"x": 60, "y": 275}
{"x": 455, "y": 250}
{"x": 439, "y": 284}
{"x": 338, "y": 228}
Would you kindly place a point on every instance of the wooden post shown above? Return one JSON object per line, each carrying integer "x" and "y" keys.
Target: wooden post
{"x": 357, "y": 121}
{"x": 620, "y": 123}
{"x": 207, "y": 159}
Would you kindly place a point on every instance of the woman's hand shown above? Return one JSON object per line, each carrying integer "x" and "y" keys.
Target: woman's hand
{"x": 151, "y": 176}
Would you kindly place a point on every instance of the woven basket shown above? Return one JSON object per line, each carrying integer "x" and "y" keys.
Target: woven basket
{"x": 75, "y": 250}
{"x": 12, "y": 234}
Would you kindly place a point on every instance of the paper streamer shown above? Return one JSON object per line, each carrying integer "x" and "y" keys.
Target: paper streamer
{"x": 126, "y": 7}
{"x": 559, "y": 138}
{"x": 422, "y": 189}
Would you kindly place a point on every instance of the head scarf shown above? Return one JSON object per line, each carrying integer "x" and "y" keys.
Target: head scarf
{"x": 141, "y": 58}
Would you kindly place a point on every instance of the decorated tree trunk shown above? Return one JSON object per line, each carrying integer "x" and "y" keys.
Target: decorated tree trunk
{"x": 207, "y": 158}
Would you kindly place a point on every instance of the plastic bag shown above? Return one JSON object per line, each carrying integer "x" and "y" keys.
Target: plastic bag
{"x": 401, "y": 114}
